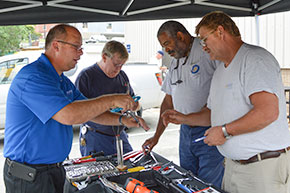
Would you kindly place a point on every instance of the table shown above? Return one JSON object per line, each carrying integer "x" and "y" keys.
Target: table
{"x": 165, "y": 177}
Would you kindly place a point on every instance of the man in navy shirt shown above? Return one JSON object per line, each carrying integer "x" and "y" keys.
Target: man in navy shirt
{"x": 42, "y": 105}
{"x": 104, "y": 77}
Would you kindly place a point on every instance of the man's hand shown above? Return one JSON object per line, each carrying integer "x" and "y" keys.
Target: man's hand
{"x": 214, "y": 136}
{"x": 124, "y": 101}
{"x": 150, "y": 143}
{"x": 131, "y": 122}
{"x": 172, "y": 116}
{"x": 143, "y": 124}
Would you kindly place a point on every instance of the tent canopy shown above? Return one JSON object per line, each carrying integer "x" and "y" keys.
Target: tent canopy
{"x": 16, "y": 12}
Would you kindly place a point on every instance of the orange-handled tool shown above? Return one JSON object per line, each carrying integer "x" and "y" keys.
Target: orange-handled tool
{"x": 133, "y": 185}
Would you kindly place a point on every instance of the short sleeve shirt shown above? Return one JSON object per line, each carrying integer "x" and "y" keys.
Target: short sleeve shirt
{"x": 252, "y": 70}
{"x": 35, "y": 95}
{"x": 93, "y": 82}
{"x": 196, "y": 73}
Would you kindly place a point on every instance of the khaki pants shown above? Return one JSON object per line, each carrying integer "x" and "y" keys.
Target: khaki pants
{"x": 266, "y": 176}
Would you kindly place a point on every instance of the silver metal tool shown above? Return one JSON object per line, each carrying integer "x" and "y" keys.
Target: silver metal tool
{"x": 132, "y": 114}
{"x": 165, "y": 165}
{"x": 179, "y": 183}
{"x": 119, "y": 146}
{"x": 153, "y": 157}
{"x": 112, "y": 185}
{"x": 179, "y": 172}
{"x": 136, "y": 157}
{"x": 137, "y": 160}
{"x": 180, "y": 180}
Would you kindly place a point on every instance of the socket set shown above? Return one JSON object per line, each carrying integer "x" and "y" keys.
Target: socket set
{"x": 79, "y": 172}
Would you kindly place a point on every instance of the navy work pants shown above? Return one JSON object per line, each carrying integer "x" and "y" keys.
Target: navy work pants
{"x": 204, "y": 161}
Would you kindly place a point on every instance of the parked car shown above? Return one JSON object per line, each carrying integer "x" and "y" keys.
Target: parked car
{"x": 97, "y": 39}
{"x": 9, "y": 67}
{"x": 144, "y": 78}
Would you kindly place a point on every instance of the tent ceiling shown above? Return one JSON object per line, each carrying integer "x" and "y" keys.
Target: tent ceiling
{"x": 15, "y": 12}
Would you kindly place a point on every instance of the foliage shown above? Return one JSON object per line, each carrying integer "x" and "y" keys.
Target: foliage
{"x": 12, "y": 36}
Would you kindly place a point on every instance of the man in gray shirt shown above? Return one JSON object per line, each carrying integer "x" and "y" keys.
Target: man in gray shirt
{"x": 246, "y": 108}
{"x": 187, "y": 86}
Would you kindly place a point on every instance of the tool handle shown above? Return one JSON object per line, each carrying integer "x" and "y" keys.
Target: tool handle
{"x": 118, "y": 109}
{"x": 97, "y": 154}
{"x": 184, "y": 188}
{"x": 136, "y": 98}
{"x": 78, "y": 161}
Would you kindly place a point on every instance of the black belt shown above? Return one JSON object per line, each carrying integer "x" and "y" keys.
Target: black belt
{"x": 98, "y": 131}
{"x": 56, "y": 165}
{"x": 37, "y": 166}
{"x": 27, "y": 172}
{"x": 264, "y": 155}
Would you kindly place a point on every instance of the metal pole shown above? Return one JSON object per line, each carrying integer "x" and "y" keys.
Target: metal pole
{"x": 257, "y": 30}
{"x": 119, "y": 146}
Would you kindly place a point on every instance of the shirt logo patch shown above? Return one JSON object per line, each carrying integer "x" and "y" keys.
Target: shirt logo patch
{"x": 195, "y": 68}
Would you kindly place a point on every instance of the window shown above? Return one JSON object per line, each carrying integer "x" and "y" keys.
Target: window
{"x": 9, "y": 69}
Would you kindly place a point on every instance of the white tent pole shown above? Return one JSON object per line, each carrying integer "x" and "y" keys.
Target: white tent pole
{"x": 257, "y": 30}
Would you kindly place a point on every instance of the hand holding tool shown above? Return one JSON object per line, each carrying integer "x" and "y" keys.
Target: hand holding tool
{"x": 118, "y": 109}
{"x": 199, "y": 139}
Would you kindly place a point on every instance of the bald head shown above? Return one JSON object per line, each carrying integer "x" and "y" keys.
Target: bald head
{"x": 58, "y": 32}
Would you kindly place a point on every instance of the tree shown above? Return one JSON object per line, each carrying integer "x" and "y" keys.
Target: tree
{"x": 12, "y": 36}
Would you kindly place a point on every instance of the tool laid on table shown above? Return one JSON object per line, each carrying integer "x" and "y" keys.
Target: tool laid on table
{"x": 135, "y": 186}
{"x": 138, "y": 158}
{"x": 92, "y": 159}
{"x": 179, "y": 183}
{"x": 171, "y": 169}
{"x": 78, "y": 172}
{"x": 165, "y": 166}
{"x": 112, "y": 185}
{"x": 136, "y": 169}
{"x": 131, "y": 154}
{"x": 153, "y": 157}
{"x": 141, "y": 154}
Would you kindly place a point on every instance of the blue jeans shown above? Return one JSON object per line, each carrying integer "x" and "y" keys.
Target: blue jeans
{"x": 96, "y": 142}
{"x": 204, "y": 161}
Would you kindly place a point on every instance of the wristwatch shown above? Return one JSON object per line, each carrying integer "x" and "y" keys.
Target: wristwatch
{"x": 227, "y": 136}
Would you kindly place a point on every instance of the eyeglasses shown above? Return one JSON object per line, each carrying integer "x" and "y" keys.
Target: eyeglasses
{"x": 117, "y": 65}
{"x": 77, "y": 47}
{"x": 203, "y": 40}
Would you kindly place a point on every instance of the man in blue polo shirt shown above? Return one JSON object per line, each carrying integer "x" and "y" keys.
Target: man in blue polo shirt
{"x": 41, "y": 107}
